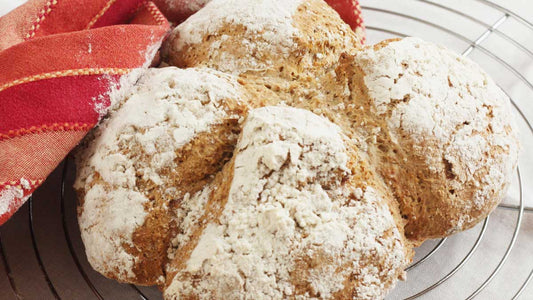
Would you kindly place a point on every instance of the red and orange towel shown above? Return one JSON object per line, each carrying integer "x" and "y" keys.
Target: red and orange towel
{"x": 58, "y": 61}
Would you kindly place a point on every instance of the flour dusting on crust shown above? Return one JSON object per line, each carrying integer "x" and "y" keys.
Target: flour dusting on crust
{"x": 269, "y": 17}
{"x": 449, "y": 107}
{"x": 167, "y": 108}
{"x": 267, "y": 25}
{"x": 287, "y": 204}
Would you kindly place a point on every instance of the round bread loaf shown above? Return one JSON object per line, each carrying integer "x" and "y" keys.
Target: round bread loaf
{"x": 415, "y": 142}
{"x": 295, "y": 213}
{"x": 446, "y": 142}
{"x": 166, "y": 139}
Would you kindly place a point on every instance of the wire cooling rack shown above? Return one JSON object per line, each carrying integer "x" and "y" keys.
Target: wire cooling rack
{"x": 42, "y": 256}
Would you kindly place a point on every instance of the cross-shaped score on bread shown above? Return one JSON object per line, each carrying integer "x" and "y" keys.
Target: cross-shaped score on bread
{"x": 284, "y": 161}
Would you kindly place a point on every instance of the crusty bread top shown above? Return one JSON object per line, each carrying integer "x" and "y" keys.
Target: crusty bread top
{"x": 454, "y": 127}
{"x": 270, "y": 21}
{"x": 236, "y": 36}
{"x": 132, "y": 170}
{"x": 437, "y": 128}
{"x": 299, "y": 219}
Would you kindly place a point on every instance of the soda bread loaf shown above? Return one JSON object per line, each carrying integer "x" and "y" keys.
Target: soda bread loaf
{"x": 286, "y": 161}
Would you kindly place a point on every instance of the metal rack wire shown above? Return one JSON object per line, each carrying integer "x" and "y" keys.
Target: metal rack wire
{"x": 41, "y": 254}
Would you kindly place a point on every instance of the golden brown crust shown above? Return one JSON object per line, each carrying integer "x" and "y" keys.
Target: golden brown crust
{"x": 362, "y": 176}
{"x": 212, "y": 210}
{"x": 228, "y": 48}
{"x": 387, "y": 252}
{"x": 436, "y": 196}
{"x": 192, "y": 167}
{"x": 196, "y": 162}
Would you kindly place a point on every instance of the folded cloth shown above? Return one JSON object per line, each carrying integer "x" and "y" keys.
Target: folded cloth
{"x": 59, "y": 61}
